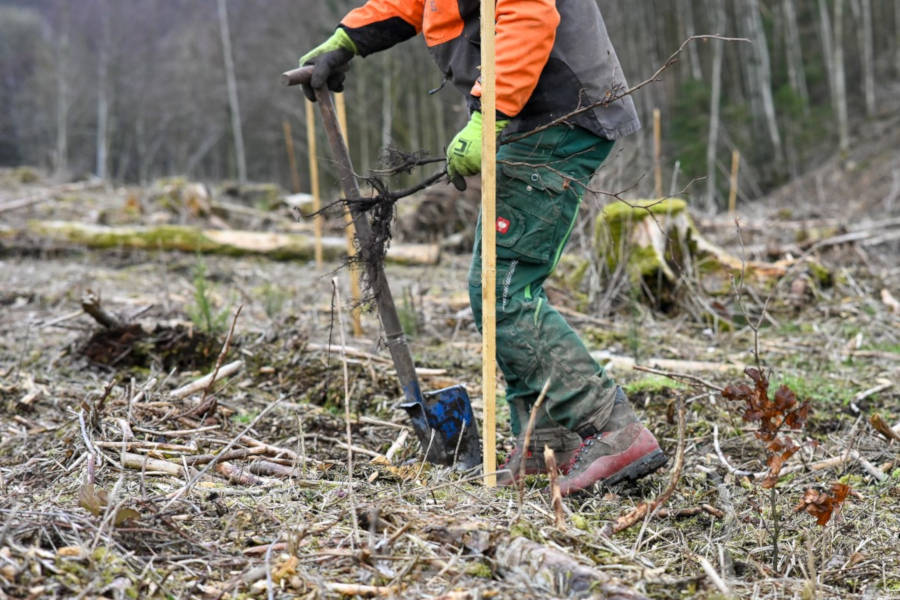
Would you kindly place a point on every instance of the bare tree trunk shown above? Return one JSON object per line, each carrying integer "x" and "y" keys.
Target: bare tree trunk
{"x": 686, "y": 18}
{"x": 840, "y": 81}
{"x": 716, "y": 95}
{"x": 760, "y": 77}
{"x": 61, "y": 157}
{"x": 794, "y": 52}
{"x": 387, "y": 105}
{"x": 232, "y": 93}
{"x": 440, "y": 122}
{"x": 868, "y": 54}
{"x": 103, "y": 92}
{"x": 412, "y": 116}
{"x": 897, "y": 35}
{"x": 827, "y": 49}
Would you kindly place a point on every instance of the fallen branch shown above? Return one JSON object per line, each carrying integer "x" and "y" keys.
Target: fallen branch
{"x": 884, "y": 385}
{"x": 190, "y": 484}
{"x": 272, "y": 469}
{"x": 389, "y": 455}
{"x": 345, "y": 446}
{"x": 269, "y": 449}
{"x": 676, "y": 376}
{"x": 203, "y": 459}
{"x": 176, "y": 432}
{"x": 821, "y": 465}
{"x": 148, "y": 446}
{"x": 145, "y": 463}
{"x": 397, "y": 445}
{"x": 356, "y": 589}
{"x": 881, "y": 426}
{"x": 724, "y": 461}
{"x": 526, "y": 442}
{"x": 641, "y": 511}
{"x": 347, "y": 350}
{"x": 691, "y": 511}
{"x": 238, "y": 475}
{"x": 208, "y": 407}
{"x": 713, "y": 576}
{"x": 45, "y": 195}
{"x": 90, "y": 303}
{"x": 232, "y": 242}
{"x": 200, "y": 384}
{"x": 668, "y": 367}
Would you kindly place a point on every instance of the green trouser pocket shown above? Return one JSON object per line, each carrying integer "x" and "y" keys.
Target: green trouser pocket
{"x": 529, "y": 213}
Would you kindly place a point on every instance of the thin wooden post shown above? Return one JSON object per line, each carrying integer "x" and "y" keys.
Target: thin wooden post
{"x": 318, "y": 224}
{"x": 488, "y": 242}
{"x": 355, "y": 291}
{"x": 292, "y": 158}
{"x": 657, "y": 153}
{"x": 732, "y": 192}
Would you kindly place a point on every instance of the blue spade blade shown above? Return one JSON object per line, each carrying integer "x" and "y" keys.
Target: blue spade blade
{"x": 444, "y": 424}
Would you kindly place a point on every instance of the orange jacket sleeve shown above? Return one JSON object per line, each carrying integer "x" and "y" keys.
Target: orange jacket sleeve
{"x": 379, "y": 24}
{"x": 526, "y": 31}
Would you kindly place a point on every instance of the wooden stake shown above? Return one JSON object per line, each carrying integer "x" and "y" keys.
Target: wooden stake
{"x": 657, "y": 153}
{"x": 355, "y": 292}
{"x": 488, "y": 241}
{"x": 314, "y": 180}
{"x": 292, "y": 158}
{"x": 732, "y": 193}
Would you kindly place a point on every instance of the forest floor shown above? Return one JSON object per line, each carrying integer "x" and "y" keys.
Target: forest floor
{"x": 255, "y": 495}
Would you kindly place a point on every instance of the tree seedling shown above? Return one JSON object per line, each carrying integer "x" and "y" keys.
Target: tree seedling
{"x": 201, "y": 312}
{"x": 774, "y": 415}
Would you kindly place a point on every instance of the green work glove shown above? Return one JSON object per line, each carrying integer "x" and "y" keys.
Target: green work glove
{"x": 464, "y": 152}
{"x": 330, "y": 59}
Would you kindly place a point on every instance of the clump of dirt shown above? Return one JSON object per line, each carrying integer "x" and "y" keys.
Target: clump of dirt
{"x": 116, "y": 347}
{"x": 169, "y": 347}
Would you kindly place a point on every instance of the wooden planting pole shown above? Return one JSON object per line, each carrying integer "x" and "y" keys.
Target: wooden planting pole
{"x": 355, "y": 292}
{"x": 657, "y": 153}
{"x": 292, "y": 158}
{"x": 488, "y": 242}
{"x": 314, "y": 181}
{"x": 732, "y": 192}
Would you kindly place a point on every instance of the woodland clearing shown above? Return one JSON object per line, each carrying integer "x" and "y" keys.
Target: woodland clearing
{"x": 250, "y": 491}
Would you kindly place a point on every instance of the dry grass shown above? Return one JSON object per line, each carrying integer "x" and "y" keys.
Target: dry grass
{"x": 277, "y": 520}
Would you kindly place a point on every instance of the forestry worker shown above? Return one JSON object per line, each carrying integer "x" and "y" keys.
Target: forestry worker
{"x": 552, "y": 57}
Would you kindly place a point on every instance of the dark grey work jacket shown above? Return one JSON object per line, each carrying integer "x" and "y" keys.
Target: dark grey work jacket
{"x": 553, "y": 56}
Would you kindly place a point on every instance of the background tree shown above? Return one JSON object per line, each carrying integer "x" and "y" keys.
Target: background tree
{"x": 135, "y": 89}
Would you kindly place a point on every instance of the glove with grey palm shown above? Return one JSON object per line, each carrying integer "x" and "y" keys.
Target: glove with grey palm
{"x": 330, "y": 60}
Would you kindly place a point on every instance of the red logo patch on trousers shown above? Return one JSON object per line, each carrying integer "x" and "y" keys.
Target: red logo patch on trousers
{"x": 502, "y": 226}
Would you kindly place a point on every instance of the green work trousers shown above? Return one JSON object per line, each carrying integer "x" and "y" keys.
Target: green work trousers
{"x": 540, "y": 183}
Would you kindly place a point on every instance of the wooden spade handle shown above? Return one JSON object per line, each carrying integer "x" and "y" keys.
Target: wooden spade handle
{"x": 296, "y": 76}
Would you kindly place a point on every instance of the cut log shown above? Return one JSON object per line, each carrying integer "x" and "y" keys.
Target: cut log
{"x": 552, "y": 570}
{"x": 47, "y": 194}
{"x": 623, "y": 364}
{"x": 278, "y": 246}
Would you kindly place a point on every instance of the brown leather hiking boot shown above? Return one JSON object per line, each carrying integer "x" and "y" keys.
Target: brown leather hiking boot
{"x": 564, "y": 443}
{"x": 623, "y": 449}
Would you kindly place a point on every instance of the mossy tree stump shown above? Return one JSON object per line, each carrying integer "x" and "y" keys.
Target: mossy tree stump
{"x": 656, "y": 246}
{"x": 637, "y": 236}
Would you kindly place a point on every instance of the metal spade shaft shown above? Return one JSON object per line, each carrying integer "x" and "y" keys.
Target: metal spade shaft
{"x": 433, "y": 444}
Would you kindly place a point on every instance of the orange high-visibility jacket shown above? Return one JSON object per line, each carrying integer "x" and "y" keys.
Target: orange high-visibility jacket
{"x": 553, "y": 56}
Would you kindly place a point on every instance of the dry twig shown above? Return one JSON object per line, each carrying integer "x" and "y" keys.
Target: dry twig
{"x": 644, "y": 509}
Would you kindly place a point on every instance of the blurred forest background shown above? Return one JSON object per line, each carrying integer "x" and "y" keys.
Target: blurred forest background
{"x": 132, "y": 90}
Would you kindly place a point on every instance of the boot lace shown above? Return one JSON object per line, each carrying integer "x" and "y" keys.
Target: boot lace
{"x": 579, "y": 454}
